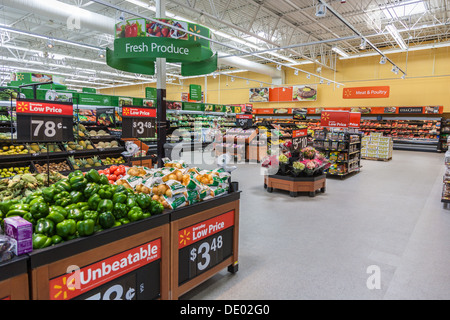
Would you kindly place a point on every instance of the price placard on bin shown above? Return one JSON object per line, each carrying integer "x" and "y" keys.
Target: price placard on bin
{"x": 43, "y": 121}
{"x": 138, "y": 122}
{"x": 204, "y": 245}
{"x": 131, "y": 275}
{"x": 300, "y": 139}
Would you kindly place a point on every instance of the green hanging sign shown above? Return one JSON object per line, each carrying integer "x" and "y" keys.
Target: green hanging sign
{"x": 139, "y": 42}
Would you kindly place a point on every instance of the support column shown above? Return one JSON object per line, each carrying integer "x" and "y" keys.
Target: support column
{"x": 161, "y": 92}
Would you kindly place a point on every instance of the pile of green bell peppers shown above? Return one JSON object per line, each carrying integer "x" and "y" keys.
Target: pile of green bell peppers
{"x": 79, "y": 206}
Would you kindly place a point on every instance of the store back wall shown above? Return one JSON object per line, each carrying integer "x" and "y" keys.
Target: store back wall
{"x": 427, "y": 83}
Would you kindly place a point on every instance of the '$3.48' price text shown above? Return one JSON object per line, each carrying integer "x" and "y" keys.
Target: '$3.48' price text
{"x": 140, "y": 126}
{"x": 204, "y": 250}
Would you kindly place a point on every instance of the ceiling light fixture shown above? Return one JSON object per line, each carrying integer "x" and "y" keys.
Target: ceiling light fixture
{"x": 308, "y": 76}
{"x": 362, "y": 46}
{"x": 50, "y": 43}
{"x": 340, "y": 52}
{"x": 382, "y": 60}
{"x": 101, "y": 54}
{"x": 296, "y": 72}
{"x": 396, "y": 35}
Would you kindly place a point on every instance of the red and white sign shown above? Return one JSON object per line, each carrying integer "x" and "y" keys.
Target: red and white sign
{"x": 335, "y": 118}
{"x": 354, "y": 119}
{"x": 244, "y": 116}
{"x": 299, "y": 133}
{"x": 138, "y": 112}
{"x": 205, "y": 229}
{"x": 69, "y": 286}
{"x": 47, "y": 108}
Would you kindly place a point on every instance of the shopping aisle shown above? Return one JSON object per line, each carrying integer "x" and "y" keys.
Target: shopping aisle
{"x": 388, "y": 215}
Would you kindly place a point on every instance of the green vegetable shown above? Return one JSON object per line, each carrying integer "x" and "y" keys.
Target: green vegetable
{"x": 105, "y": 205}
{"x": 93, "y": 176}
{"x": 48, "y": 194}
{"x": 66, "y": 228}
{"x": 105, "y": 192}
{"x": 59, "y": 209}
{"x": 76, "y": 173}
{"x": 120, "y": 210}
{"x": 41, "y": 241}
{"x": 56, "y": 216}
{"x": 5, "y": 205}
{"x": 56, "y": 239}
{"x": 135, "y": 214}
{"x": 75, "y": 214}
{"x": 20, "y": 206}
{"x": 119, "y": 198}
{"x": 103, "y": 180}
{"x": 143, "y": 200}
{"x": 131, "y": 202}
{"x": 76, "y": 196}
{"x": 85, "y": 227}
{"x": 45, "y": 226}
{"x": 124, "y": 220}
{"x": 78, "y": 182}
{"x": 91, "y": 189}
{"x": 16, "y": 212}
{"x": 157, "y": 208}
{"x": 63, "y": 185}
{"x": 91, "y": 214}
{"x": 106, "y": 219}
{"x": 39, "y": 210}
{"x": 29, "y": 217}
{"x": 93, "y": 201}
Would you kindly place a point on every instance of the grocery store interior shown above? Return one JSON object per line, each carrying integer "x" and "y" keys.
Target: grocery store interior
{"x": 258, "y": 149}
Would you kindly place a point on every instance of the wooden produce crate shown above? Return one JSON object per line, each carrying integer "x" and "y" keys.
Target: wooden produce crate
{"x": 296, "y": 184}
{"x": 126, "y": 262}
{"x": 14, "y": 279}
{"x": 204, "y": 240}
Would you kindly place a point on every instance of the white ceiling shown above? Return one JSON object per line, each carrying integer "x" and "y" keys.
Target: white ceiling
{"x": 250, "y": 25}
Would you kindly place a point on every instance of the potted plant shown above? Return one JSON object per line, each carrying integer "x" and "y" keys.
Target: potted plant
{"x": 297, "y": 168}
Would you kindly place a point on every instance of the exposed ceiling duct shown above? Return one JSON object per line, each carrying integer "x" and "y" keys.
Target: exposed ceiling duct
{"x": 86, "y": 19}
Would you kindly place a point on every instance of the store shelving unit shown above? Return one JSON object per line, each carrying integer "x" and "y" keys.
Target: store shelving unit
{"x": 445, "y": 198}
{"x": 443, "y": 135}
{"x": 342, "y": 148}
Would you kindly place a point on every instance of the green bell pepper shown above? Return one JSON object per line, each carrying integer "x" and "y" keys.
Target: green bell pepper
{"x": 105, "y": 192}
{"x": 56, "y": 216}
{"x": 143, "y": 200}
{"x": 121, "y": 189}
{"x": 71, "y": 206}
{"x": 146, "y": 215}
{"x": 91, "y": 189}
{"x": 32, "y": 196}
{"x": 75, "y": 173}
{"x": 85, "y": 227}
{"x": 75, "y": 214}
{"x": 93, "y": 176}
{"x": 76, "y": 196}
{"x": 37, "y": 199}
{"x": 48, "y": 194}
{"x": 78, "y": 182}
{"x": 91, "y": 214}
{"x": 103, "y": 179}
{"x": 60, "y": 195}
{"x": 124, "y": 220}
{"x": 105, "y": 205}
{"x": 63, "y": 185}
{"x": 66, "y": 228}
{"x": 39, "y": 210}
{"x": 59, "y": 209}
{"x": 29, "y": 217}
{"x": 120, "y": 210}
{"x": 119, "y": 198}
{"x": 45, "y": 226}
{"x": 5, "y": 205}
{"x": 63, "y": 202}
{"x": 41, "y": 241}
{"x": 135, "y": 214}
{"x": 16, "y": 212}
{"x": 93, "y": 201}
{"x": 56, "y": 239}
{"x": 20, "y": 206}
{"x": 131, "y": 202}
{"x": 106, "y": 220}
{"x": 156, "y": 208}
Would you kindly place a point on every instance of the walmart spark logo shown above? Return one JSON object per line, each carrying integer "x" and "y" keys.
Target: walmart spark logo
{"x": 195, "y": 30}
{"x": 325, "y": 116}
{"x": 125, "y": 111}
{"x": 347, "y": 93}
{"x": 60, "y": 291}
{"x": 185, "y": 237}
{"x": 23, "y": 106}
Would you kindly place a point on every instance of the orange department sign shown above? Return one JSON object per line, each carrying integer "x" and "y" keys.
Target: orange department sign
{"x": 365, "y": 92}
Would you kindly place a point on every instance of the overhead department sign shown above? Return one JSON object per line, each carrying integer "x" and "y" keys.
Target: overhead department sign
{"x": 139, "y": 42}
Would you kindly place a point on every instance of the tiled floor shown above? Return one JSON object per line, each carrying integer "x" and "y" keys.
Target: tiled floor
{"x": 388, "y": 215}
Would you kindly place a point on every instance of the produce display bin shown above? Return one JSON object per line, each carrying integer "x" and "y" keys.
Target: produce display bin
{"x": 14, "y": 279}
{"x": 296, "y": 184}
{"x": 53, "y": 160}
{"x": 126, "y": 262}
{"x": 204, "y": 240}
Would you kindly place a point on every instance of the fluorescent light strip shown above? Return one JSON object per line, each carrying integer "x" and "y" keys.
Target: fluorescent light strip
{"x": 396, "y": 35}
{"x": 340, "y": 52}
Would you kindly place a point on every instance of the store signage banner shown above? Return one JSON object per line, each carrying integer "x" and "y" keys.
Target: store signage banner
{"x": 55, "y": 109}
{"x": 410, "y": 109}
{"x": 139, "y": 42}
{"x": 354, "y": 120}
{"x": 304, "y": 93}
{"x": 69, "y": 286}
{"x": 195, "y": 92}
{"x": 205, "y": 229}
{"x": 138, "y": 112}
{"x": 331, "y": 118}
{"x": 258, "y": 95}
{"x": 365, "y": 92}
